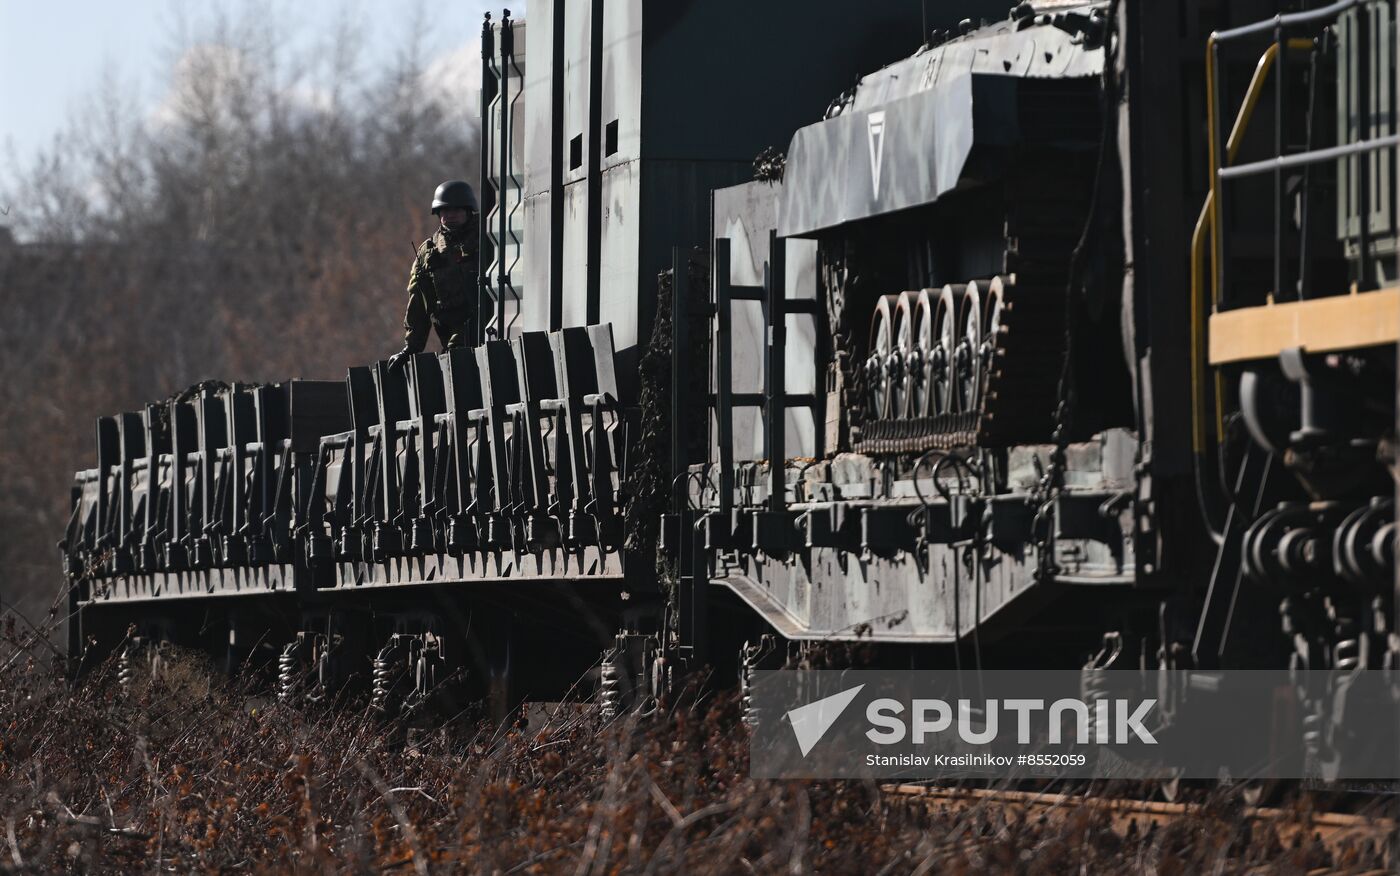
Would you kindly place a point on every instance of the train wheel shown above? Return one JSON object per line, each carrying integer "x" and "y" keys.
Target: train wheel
{"x": 945, "y": 333}
{"x": 925, "y": 383}
{"x": 992, "y": 342}
{"x": 904, "y": 363}
{"x": 882, "y": 345}
{"x": 967, "y": 355}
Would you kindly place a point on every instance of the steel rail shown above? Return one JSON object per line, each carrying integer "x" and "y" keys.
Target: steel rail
{"x": 1334, "y": 830}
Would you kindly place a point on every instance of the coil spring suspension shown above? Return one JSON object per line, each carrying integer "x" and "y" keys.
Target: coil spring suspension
{"x": 317, "y": 692}
{"x": 1347, "y": 653}
{"x": 382, "y": 675}
{"x": 126, "y": 664}
{"x": 610, "y": 691}
{"x": 750, "y": 711}
{"x": 288, "y": 671}
{"x": 1094, "y": 683}
{"x": 751, "y": 657}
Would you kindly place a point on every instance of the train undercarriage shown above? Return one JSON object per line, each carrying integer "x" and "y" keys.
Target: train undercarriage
{"x": 980, "y": 398}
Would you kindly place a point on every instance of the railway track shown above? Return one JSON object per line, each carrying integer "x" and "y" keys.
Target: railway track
{"x": 1353, "y": 843}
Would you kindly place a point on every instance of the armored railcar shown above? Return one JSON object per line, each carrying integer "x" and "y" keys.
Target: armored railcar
{"x": 1066, "y": 334}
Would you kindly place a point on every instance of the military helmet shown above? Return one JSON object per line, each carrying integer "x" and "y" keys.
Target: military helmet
{"x": 454, "y": 193}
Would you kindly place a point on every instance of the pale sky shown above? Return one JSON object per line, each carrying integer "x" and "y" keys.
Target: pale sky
{"x": 53, "y": 55}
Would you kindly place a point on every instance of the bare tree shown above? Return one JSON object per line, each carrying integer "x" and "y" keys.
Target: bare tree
{"x": 255, "y": 226}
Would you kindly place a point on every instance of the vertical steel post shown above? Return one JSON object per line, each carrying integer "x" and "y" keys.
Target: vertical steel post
{"x": 179, "y": 450}
{"x": 1395, "y": 467}
{"x": 150, "y": 514}
{"x": 496, "y": 366}
{"x": 364, "y": 412}
{"x": 556, "y": 172}
{"x": 724, "y": 377}
{"x": 211, "y": 435}
{"x": 698, "y": 603}
{"x": 1305, "y": 220}
{"x": 488, "y": 92}
{"x": 1222, "y": 216}
{"x": 107, "y": 456}
{"x": 237, "y": 438}
{"x": 1280, "y": 130}
{"x": 1363, "y": 133}
{"x": 823, "y": 358}
{"x": 680, "y": 365}
{"x": 775, "y": 403}
{"x": 389, "y": 414}
{"x": 427, "y": 454}
{"x": 502, "y": 195}
{"x": 690, "y": 554}
{"x": 595, "y": 165}
{"x": 263, "y": 462}
{"x": 127, "y": 432}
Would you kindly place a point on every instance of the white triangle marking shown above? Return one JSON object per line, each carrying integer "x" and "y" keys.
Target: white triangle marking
{"x": 875, "y": 129}
{"x": 810, "y": 722}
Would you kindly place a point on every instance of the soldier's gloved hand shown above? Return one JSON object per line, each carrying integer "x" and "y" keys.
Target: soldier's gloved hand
{"x": 396, "y": 361}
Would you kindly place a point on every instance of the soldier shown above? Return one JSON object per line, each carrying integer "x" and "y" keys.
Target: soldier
{"x": 442, "y": 287}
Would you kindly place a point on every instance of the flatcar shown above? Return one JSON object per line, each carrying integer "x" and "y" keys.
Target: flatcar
{"x": 1054, "y": 334}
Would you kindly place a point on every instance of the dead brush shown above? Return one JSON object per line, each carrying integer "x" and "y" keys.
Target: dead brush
{"x": 190, "y": 771}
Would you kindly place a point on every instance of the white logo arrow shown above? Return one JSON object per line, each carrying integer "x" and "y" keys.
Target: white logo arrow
{"x": 810, "y": 722}
{"x": 875, "y": 130}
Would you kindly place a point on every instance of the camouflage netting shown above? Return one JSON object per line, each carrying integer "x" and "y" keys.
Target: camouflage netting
{"x": 649, "y": 479}
{"x": 184, "y": 395}
{"x": 769, "y": 165}
{"x": 193, "y": 390}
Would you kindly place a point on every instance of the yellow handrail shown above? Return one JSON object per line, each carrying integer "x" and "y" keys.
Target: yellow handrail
{"x": 1210, "y": 218}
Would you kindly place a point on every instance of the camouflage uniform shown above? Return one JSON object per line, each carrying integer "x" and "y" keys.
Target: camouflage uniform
{"x": 442, "y": 290}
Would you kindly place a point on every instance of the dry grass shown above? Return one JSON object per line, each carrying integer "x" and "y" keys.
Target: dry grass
{"x": 188, "y": 771}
